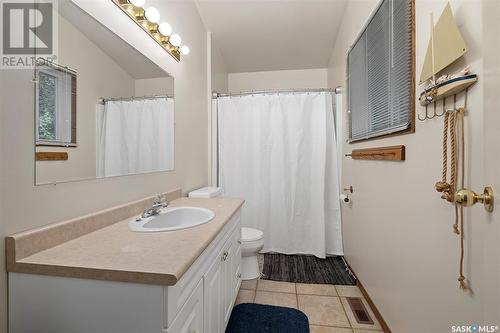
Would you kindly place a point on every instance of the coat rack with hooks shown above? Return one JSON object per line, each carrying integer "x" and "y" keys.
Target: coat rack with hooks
{"x": 434, "y": 114}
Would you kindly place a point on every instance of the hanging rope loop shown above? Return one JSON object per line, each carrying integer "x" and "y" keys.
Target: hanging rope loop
{"x": 461, "y": 113}
{"x": 452, "y": 122}
{"x": 443, "y": 185}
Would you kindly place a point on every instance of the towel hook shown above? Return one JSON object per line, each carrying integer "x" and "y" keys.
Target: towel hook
{"x": 425, "y": 117}
{"x": 434, "y": 113}
{"x": 444, "y": 108}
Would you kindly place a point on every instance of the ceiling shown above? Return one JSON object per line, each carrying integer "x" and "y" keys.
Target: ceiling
{"x": 263, "y": 35}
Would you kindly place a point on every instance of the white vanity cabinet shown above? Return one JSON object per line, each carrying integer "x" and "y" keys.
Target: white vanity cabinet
{"x": 201, "y": 301}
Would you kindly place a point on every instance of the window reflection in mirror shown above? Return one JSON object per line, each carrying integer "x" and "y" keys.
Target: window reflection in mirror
{"x": 55, "y": 92}
{"x": 104, "y": 105}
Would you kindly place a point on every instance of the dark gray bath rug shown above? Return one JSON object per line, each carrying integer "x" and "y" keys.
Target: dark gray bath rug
{"x": 306, "y": 269}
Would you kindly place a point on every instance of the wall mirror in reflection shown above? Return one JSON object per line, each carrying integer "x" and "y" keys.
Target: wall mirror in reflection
{"x": 102, "y": 109}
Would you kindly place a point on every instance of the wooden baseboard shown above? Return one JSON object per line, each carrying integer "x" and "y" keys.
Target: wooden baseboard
{"x": 376, "y": 312}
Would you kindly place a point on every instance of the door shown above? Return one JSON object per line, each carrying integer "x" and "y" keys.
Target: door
{"x": 481, "y": 233}
{"x": 488, "y": 224}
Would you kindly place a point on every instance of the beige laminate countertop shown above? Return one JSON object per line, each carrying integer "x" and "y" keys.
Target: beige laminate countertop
{"x": 115, "y": 253}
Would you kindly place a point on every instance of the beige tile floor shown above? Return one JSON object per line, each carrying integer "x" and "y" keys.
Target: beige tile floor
{"x": 325, "y": 305}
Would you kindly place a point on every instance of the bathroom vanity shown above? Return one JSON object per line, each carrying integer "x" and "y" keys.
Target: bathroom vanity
{"x": 95, "y": 275}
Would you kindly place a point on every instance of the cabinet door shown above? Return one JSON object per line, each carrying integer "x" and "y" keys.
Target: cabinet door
{"x": 213, "y": 286}
{"x": 236, "y": 262}
{"x": 236, "y": 267}
{"x": 190, "y": 318}
{"x": 220, "y": 284}
{"x": 231, "y": 270}
{"x": 228, "y": 281}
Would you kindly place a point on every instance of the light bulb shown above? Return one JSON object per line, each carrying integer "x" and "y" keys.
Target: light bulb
{"x": 185, "y": 49}
{"x": 175, "y": 40}
{"x": 165, "y": 29}
{"x": 152, "y": 14}
{"x": 137, "y": 3}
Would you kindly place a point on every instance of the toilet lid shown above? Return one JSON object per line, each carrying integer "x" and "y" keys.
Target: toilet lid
{"x": 250, "y": 234}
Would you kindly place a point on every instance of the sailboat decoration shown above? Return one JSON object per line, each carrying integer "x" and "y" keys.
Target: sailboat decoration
{"x": 445, "y": 47}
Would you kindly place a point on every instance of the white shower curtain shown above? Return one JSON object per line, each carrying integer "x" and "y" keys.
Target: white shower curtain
{"x": 279, "y": 153}
{"x": 135, "y": 136}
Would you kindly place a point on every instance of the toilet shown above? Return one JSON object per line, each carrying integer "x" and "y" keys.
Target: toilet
{"x": 252, "y": 240}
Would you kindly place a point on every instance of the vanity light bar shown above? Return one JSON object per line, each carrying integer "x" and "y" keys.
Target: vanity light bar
{"x": 148, "y": 19}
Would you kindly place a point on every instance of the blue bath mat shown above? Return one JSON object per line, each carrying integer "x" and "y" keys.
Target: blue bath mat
{"x": 259, "y": 318}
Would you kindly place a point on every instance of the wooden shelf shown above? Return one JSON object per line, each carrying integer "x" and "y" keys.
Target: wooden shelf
{"x": 51, "y": 156}
{"x": 390, "y": 153}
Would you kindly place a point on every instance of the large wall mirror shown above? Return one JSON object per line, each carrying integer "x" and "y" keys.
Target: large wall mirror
{"x": 102, "y": 109}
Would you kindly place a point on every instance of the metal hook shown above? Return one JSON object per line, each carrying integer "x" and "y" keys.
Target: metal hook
{"x": 434, "y": 113}
{"x": 425, "y": 117}
{"x": 444, "y": 108}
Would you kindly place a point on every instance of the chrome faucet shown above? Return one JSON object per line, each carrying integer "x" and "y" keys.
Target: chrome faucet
{"x": 159, "y": 202}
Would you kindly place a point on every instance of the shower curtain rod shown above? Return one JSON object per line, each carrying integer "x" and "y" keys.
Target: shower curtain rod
{"x": 116, "y": 99}
{"x": 337, "y": 90}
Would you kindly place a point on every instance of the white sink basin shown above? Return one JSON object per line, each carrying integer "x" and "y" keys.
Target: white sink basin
{"x": 173, "y": 218}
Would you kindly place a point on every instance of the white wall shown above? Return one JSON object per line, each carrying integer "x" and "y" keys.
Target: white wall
{"x": 286, "y": 79}
{"x": 219, "y": 71}
{"x": 155, "y": 86}
{"x": 397, "y": 233}
{"x": 32, "y": 206}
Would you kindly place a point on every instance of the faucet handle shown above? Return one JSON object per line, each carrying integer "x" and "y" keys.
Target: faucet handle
{"x": 160, "y": 198}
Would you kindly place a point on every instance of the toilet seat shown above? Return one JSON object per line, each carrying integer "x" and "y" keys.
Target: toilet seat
{"x": 250, "y": 234}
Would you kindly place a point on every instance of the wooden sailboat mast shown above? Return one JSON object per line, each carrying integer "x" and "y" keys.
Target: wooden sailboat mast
{"x": 432, "y": 49}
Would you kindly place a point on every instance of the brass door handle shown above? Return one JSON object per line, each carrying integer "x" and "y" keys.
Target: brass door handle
{"x": 467, "y": 198}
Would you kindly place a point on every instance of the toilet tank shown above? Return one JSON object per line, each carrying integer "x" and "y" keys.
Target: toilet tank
{"x": 206, "y": 192}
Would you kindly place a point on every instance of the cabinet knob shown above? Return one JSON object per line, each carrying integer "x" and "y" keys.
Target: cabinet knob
{"x": 239, "y": 241}
{"x": 224, "y": 256}
{"x": 238, "y": 275}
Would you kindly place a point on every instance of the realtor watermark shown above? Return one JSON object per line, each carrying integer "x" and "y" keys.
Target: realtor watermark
{"x": 29, "y": 33}
{"x": 474, "y": 329}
